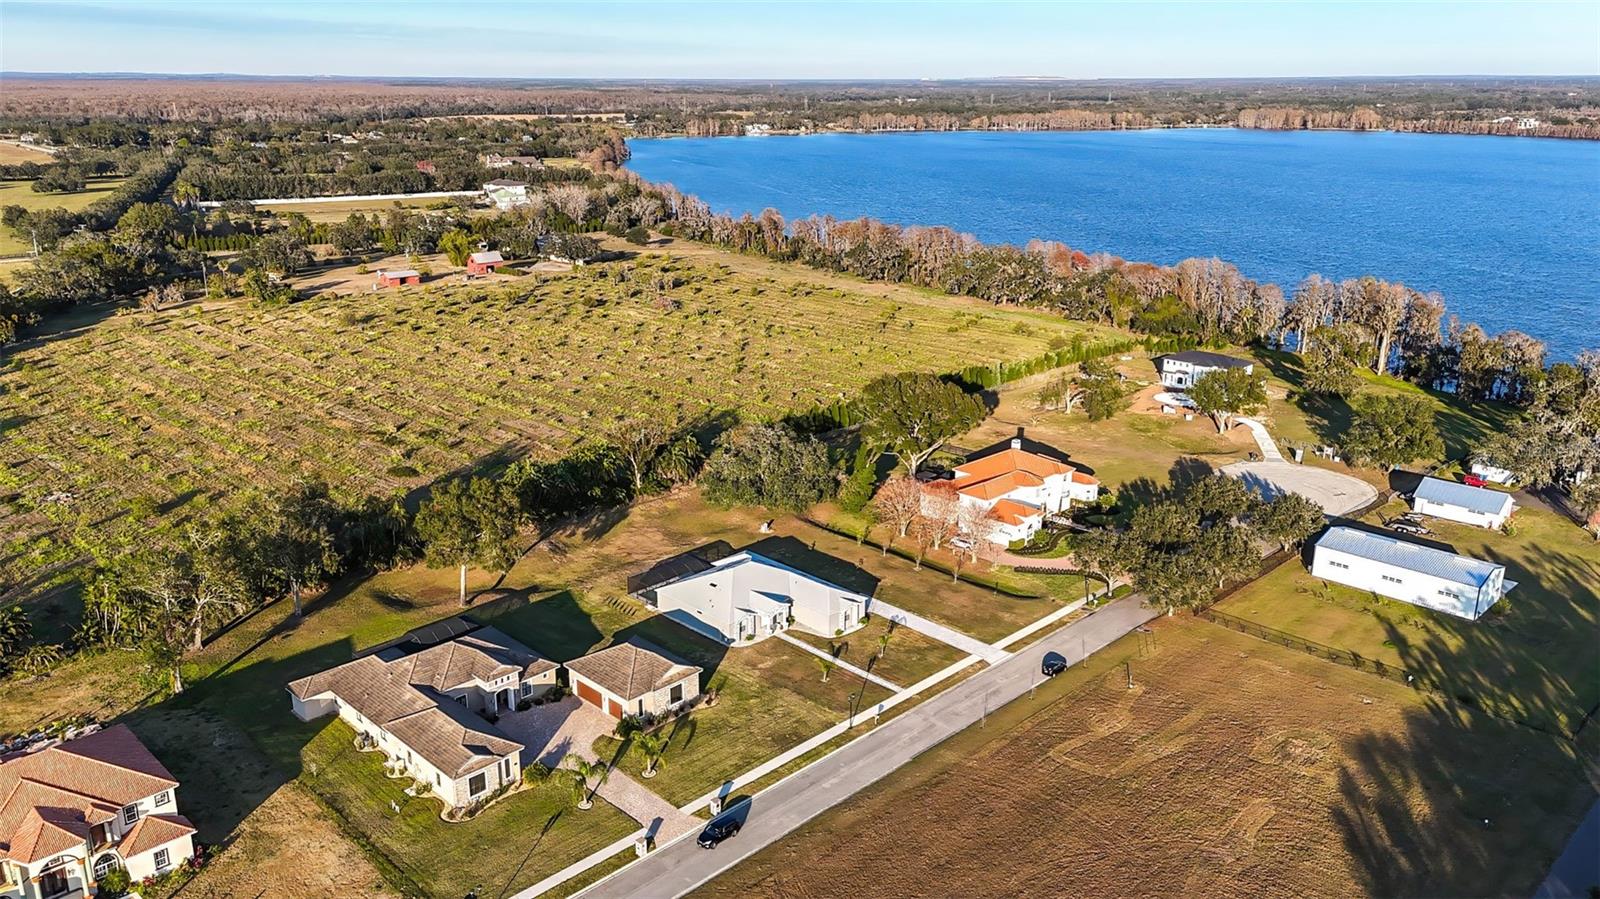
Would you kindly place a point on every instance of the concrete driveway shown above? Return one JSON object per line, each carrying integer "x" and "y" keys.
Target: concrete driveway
{"x": 552, "y": 730}
{"x": 680, "y": 867}
{"x": 1337, "y": 494}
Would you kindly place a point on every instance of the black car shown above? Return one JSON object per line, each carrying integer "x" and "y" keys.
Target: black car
{"x": 1053, "y": 665}
{"x": 716, "y": 832}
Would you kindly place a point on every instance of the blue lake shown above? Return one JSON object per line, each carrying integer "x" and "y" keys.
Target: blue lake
{"x": 1507, "y": 229}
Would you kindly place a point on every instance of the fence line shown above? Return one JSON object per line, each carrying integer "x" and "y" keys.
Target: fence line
{"x": 1352, "y": 659}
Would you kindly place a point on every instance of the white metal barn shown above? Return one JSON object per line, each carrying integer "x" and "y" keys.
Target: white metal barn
{"x": 1421, "y": 575}
{"x": 1462, "y": 502}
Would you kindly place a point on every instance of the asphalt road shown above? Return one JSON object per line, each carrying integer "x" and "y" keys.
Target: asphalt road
{"x": 680, "y": 867}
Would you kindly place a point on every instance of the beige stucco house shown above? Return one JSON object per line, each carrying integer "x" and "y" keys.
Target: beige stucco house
{"x": 633, "y": 678}
{"x": 73, "y": 811}
{"x": 428, "y": 708}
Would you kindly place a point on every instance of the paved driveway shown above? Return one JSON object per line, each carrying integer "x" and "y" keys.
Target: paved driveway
{"x": 1337, "y": 494}
{"x": 552, "y": 730}
{"x": 972, "y": 646}
{"x": 680, "y": 867}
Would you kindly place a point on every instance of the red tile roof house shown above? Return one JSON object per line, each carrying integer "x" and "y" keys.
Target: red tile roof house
{"x": 485, "y": 262}
{"x": 1020, "y": 488}
{"x": 422, "y": 707}
{"x": 73, "y": 811}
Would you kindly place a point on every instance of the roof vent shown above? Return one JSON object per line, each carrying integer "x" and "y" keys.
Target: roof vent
{"x": 1016, "y": 443}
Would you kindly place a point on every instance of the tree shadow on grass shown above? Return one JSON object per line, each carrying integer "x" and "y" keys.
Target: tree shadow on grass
{"x": 555, "y": 626}
{"x": 1456, "y": 805}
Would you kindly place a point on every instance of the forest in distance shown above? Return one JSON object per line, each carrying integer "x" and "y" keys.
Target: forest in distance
{"x": 1545, "y": 107}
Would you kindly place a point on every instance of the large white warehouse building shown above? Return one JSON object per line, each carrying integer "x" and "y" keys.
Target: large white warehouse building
{"x": 1421, "y": 575}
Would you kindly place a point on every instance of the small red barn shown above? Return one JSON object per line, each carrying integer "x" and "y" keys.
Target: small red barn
{"x": 399, "y": 276}
{"x": 485, "y": 262}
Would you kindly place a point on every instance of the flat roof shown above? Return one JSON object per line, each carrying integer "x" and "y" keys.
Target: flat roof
{"x": 1466, "y": 496}
{"x": 1410, "y": 556}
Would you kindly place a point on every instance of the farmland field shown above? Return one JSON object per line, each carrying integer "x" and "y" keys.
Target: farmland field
{"x": 21, "y": 193}
{"x": 12, "y": 153}
{"x": 385, "y": 392}
{"x": 1233, "y": 767}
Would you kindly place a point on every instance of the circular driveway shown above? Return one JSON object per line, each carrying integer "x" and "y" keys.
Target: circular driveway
{"x": 1337, "y": 494}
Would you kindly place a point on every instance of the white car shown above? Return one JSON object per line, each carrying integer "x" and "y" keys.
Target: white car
{"x": 960, "y": 543}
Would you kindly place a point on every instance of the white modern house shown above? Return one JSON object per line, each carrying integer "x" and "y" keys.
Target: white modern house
{"x": 1410, "y": 572}
{"x": 1019, "y": 489}
{"x": 1462, "y": 502}
{"x": 1180, "y": 370}
{"x": 426, "y": 708}
{"x": 73, "y": 811}
{"x": 634, "y": 677}
{"x": 505, "y": 193}
{"x": 745, "y": 597}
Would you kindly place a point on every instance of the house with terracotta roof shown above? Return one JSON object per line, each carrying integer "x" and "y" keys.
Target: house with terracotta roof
{"x": 73, "y": 811}
{"x": 427, "y": 705}
{"x": 1019, "y": 489}
{"x": 745, "y": 597}
{"x": 633, "y": 678}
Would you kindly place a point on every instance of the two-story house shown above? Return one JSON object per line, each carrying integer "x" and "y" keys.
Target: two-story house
{"x": 73, "y": 811}
{"x": 1019, "y": 489}
{"x": 428, "y": 708}
{"x": 1181, "y": 370}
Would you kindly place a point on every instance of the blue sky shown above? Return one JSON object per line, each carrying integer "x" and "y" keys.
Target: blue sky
{"x": 598, "y": 39}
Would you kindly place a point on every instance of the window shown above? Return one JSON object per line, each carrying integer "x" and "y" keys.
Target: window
{"x": 477, "y": 784}
{"x": 1334, "y": 564}
{"x": 104, "y": 865}
{"x": 527, "y": 688}
{"x": 130, "y": 815}
{"x": 676, "y": 695}
{"x": 436, "y": 779}
{"x": 163, "y": 797}
{"x": 1392, "y": 580}
{"x": 163, "y": 859}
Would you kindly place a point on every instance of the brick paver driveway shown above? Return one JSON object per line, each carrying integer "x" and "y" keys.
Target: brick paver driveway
{"x": 552, "y": 730}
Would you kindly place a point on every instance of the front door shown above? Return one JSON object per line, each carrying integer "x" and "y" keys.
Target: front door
{"x": 53, "y": 882}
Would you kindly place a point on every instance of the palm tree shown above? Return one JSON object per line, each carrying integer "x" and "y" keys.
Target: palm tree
{"x": 827, "y": 667}
{"x": 583, "y": 772}
{"x": 652, "y": 745}
{"x": 883, "y": 644}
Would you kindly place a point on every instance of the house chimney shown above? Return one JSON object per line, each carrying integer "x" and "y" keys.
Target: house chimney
{"x": 1016, "y": 443}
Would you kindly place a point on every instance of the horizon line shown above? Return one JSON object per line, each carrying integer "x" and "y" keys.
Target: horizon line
{"x": 817, "y": 79}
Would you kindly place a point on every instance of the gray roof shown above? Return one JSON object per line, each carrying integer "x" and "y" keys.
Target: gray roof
{"x": 1410, "y": 556}
{"x": 1450, "y": 493}
{"x": 1211, "y": 360}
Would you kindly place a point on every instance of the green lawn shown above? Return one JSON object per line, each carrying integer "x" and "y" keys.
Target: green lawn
{"x": 770, "y": 696}
{"x": 517, "y": 841}
{"x": 21, "y": 193}
{"x": 909, "y": 656}
{"x": 1308, "y": 420}
{"x": 1533, "y": 658}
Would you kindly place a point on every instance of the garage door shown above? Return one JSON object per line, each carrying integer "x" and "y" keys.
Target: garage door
{"x": 615, "y": 708}
{"x": 588, "y": 693}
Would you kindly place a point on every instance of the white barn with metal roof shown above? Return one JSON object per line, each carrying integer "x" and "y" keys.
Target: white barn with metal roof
{"x": 1462, "y": 502}
{"x": 1410, "y": 572}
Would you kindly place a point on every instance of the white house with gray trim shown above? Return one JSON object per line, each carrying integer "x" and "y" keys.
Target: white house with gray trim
{"x": 1410, "y": 572}
{"x": 747, "y": 597}
{"x": 1462, "y": 502}
{"x": 1181, "y": 370}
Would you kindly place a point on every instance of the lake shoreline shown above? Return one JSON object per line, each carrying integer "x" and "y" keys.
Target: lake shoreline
{"x": 1476, "y": 221}
{"x": 1129, "y": 128}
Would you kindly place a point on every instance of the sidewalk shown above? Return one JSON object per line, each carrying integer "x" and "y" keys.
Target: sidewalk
{"x": 970, "y": 645}
{"x": 891, "y": 686}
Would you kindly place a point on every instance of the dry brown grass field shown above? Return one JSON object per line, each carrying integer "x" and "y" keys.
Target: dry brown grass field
{"x": 1232, "y": 767}
{"x": 12, "y": 153}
